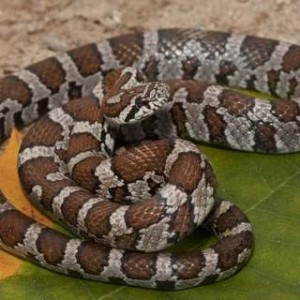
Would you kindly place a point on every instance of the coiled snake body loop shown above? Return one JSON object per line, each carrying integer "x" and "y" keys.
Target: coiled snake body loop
{"x": 135, "y": 97}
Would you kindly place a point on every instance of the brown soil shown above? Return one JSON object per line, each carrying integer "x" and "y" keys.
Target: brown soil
{"x": 34, "y": 29}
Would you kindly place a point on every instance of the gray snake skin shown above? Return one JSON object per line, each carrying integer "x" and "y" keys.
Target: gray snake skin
{"x": 133, "y": 98}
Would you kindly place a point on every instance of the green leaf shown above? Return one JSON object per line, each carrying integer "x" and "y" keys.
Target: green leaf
{"x": 266, "y": 187}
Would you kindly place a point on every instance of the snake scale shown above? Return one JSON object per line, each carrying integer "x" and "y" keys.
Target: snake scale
{"x": 114, "y": 118}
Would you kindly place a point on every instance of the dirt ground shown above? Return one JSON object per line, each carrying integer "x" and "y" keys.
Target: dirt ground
{"x": 34, "y": 29}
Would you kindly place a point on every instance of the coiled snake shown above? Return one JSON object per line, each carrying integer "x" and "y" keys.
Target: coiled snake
{"x": 133, "y": 98}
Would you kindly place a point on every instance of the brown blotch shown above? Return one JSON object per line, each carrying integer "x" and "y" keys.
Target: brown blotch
{"x": 216, "y": 126}
{"x": 179, "y": 118}
{"x": 11, "y": 87}
{"x": 87, "y": 59}
{"x": 83, "y": 173}
{"x": 72, "y": 204}
{"x": 139, "y": 265}
{"x": 52, "y": 245}
{"x": 151, "y": 69}
{"x": 195, "y": 89}
{"x": 35, "y": 171}
{"x": 236, "y": 103}
{"x": 97, "y": 219}
{"x": 182, "y": 224}
{"x": 230, "y": 247}
{"x": 230, "y": 219}
{"x": 144, "y": 214}
{"x": 293, "y": 84}
{"x": 264, "y": 137}
{"x": 226, "y": 69}
{"x": 291, "y": 61}
{"x": 210, "y": 175}
{"x": 13, "y": 226}
{"x": 273, "y": 79}
{"x": 134, "y": 163}
{"x": 84, "y": 109}
{"x": 44, "y": 133}
{"x": 50, "y": 72}
{"x": 189, "y": 265}
{"x": 126, "y": 241}
{"x": 215, "y": 42}
{"x": 127, "y": 48}
{"x": 92, "y": 257}
{"x": 50, "y": 190}
{"x": 257, "y": 51}
{"x": 286, "y": 110}
{"x": 186, "y": 171}
{"x": 190, "y": 68}
{"x": 82, "y": 142}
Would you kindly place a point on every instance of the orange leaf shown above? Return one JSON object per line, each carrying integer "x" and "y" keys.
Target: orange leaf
{"x": 11, "y": 188}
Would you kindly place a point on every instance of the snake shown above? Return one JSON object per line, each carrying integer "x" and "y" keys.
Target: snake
{"x": 111, "y": 153}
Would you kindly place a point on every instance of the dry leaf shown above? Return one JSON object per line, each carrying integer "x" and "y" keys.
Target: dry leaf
{"x": 11, "y": 188}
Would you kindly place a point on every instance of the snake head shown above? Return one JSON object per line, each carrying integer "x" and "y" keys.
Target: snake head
{"x": 128, "y": 98}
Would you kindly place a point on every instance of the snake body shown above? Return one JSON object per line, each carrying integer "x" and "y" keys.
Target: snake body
{"x": 135, "y": 97}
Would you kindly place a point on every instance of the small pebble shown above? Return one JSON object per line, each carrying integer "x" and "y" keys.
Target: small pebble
{"x": 55, "y": 42}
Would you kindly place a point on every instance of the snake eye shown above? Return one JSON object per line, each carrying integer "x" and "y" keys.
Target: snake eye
{"x": 139, "y": 102}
